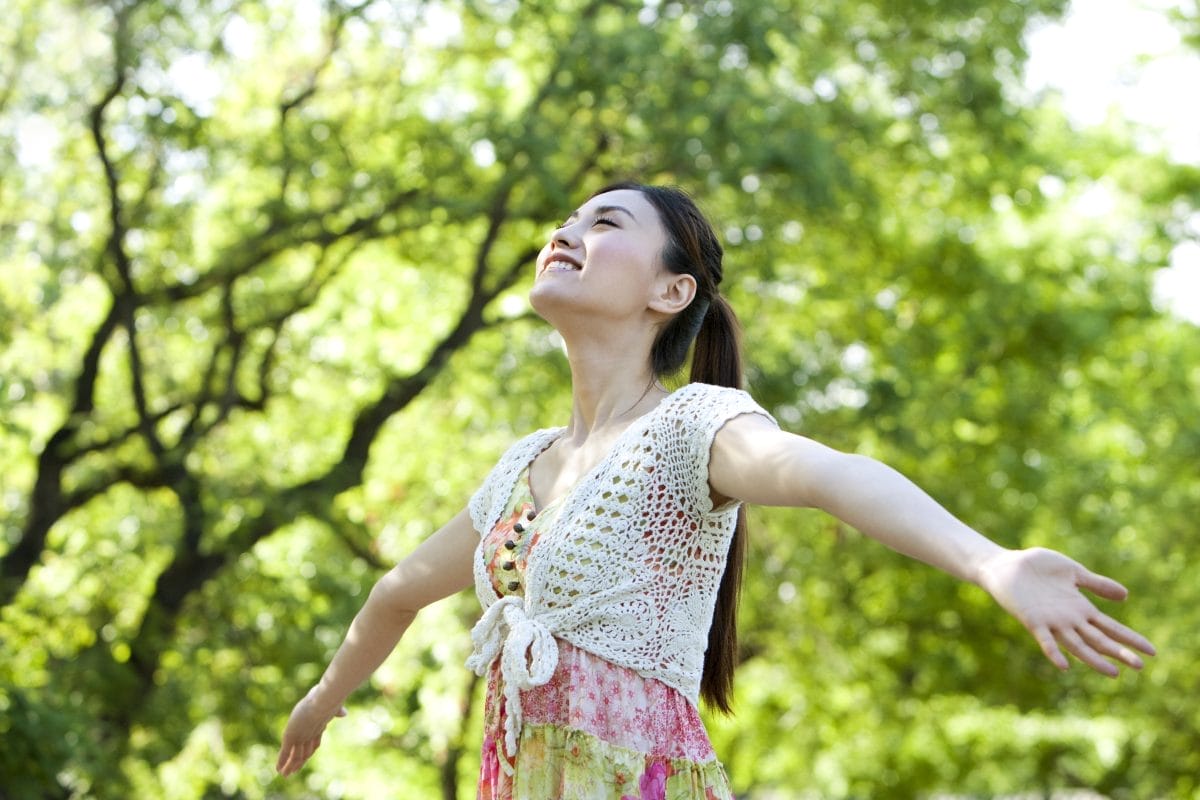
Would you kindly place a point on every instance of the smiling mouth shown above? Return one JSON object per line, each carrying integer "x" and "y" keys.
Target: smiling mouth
{"x": 560, "y": 264}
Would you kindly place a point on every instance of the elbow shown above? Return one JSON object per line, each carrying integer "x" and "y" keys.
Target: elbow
{"x": 389, "y": 595}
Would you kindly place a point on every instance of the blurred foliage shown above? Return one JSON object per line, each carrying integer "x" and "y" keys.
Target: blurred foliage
{"x": 262, "y": 329}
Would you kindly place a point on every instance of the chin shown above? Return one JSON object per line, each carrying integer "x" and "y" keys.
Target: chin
{"x": 544, "y": 304}
{"x": 560, "y": 309}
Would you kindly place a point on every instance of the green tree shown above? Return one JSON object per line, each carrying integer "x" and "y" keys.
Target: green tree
{"x": 264, "y": 330}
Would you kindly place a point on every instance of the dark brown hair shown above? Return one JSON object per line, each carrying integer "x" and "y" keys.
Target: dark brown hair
{"x": 709, "y": 323}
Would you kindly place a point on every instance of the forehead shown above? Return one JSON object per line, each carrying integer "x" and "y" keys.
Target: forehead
{"x": 631, "y": 200}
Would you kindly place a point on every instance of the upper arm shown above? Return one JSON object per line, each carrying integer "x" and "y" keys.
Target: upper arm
{"x": 438, "y": 567}
{"x": 754, "y": 461}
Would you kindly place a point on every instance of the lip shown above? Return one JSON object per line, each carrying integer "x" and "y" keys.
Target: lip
{"x": 563, "y": 258}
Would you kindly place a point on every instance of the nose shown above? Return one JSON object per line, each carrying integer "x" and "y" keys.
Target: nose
{"x": 565, "y": 236}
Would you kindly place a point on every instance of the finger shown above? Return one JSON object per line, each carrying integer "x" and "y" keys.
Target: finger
{"x": 1050, "y": 649}
{"x": 287, "y": 753}
{"x": 284, "y": 753}
{"x": 1124, "y": 634}
{"x": 1101, "y": 642}
{"x": 299, "y": 757}
{"x": 292, "y": 763}
{"x": 1084, "y": 652}
{"x": 1102, "y": 585}
{"x": 341, "y": 712}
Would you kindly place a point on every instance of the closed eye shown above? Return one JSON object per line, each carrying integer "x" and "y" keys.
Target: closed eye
{"x": 596, "y": 221}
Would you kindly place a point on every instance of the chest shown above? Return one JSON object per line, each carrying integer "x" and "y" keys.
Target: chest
{"x": 562, "y": 466}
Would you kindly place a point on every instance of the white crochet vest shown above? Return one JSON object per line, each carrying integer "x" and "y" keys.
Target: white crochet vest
{"x": 630, "y": 568}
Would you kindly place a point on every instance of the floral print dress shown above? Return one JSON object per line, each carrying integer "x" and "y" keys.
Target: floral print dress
{"x": 595, "y": 731}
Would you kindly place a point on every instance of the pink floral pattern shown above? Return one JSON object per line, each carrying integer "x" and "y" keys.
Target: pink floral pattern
{"x": 652, "y": 785}
{"x": 595, "y": 731}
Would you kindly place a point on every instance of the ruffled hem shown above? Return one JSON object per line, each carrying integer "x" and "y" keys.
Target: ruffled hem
{"x": 570, "y": 764}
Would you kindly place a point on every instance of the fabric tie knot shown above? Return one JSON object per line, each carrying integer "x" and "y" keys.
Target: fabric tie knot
{"x": 528, "y": 657}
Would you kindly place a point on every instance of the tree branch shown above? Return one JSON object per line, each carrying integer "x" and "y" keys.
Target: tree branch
{"x": 125, "y": 299}
{"x": 448, "y": 768}
{"x": 47, "y": 496}
{"x": 354, "y": 535}
{"x": 72, "y": 450}
{"x": 280, "y": 236}
{"x": 287, "y": 105}
{"x": 121, "y": 474}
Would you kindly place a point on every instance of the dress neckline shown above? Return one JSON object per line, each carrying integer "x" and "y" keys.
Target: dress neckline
{"x": 589, "y": 475}
{"x": 539, "y": 511}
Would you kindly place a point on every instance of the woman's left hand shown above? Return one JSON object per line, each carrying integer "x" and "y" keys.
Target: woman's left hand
{"x": 1042, "y": 589}
{"x": 302, "y": 736}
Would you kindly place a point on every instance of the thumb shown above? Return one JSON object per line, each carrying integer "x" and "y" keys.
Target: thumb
{"x": 1101, "y": 585}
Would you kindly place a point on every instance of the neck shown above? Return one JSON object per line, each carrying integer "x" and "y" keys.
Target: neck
{"x": 611, "y": 383}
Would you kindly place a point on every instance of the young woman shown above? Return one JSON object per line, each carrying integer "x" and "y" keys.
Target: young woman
{"x": 607, "y": 554}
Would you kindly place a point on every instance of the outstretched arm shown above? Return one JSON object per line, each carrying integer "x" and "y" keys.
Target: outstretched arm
{"x": 754, "y": 461}
{"x": 437, "y": 568}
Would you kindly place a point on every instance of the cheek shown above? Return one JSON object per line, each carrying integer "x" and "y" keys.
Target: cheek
{"x": 639, "y": 270}
{"x": 623, "y": 255}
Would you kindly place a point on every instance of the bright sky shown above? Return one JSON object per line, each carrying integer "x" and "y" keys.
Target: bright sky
{"x": 1126, "y": 58}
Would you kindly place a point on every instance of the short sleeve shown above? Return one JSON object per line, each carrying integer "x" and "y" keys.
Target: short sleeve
{"x": 480, "y": 504}
{"x": 700, "y": 413}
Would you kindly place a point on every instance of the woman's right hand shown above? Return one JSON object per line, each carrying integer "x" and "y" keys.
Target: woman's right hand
{"x": 1044, "y": 590}
{"x": 302, "y": 736}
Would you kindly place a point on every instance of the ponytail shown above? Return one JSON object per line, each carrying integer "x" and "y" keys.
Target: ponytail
{"x": 717, "y": 359}
{"x": 717, "y": 353}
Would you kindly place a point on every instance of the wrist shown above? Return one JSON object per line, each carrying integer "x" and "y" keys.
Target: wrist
{"x": 985, "y": 571}
{"x": 323, "y": 701}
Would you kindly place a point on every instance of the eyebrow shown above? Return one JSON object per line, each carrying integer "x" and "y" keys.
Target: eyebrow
{"x": 606, "y": 210}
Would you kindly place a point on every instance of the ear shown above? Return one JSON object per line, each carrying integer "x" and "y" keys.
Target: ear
{"x": 672, "y": 293}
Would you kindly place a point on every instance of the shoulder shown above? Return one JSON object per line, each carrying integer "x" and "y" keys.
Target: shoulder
{"x": 707, "y": 407}
{"x": 692, "y": 419}
{"x": 708, "y": 392}
{"x": 699, "y": 395}
{"x": 523, "y": 450}
{"x": 540, "y": 438}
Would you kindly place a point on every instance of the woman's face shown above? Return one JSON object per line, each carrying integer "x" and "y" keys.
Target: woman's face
{"x": 604, "y": 259}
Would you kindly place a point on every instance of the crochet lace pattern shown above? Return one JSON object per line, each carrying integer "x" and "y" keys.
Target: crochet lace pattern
{"x": 630, "y": 570}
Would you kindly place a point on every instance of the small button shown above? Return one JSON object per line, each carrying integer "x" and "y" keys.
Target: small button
{"x": 508, "y": 565}
{"x": 519, "y": 528}
{"x": 514, "y": 585}
{"x": 530, "y": 514}
{"x": 510, "y": 544}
